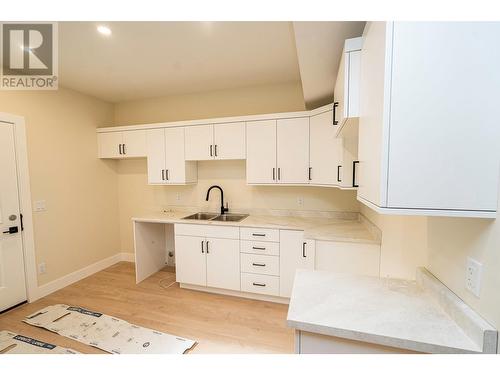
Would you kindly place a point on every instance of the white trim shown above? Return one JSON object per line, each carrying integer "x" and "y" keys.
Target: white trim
{"x": 23, "y": 177}
{"x": 219, "y": 120}
{"x": 80, "y": 274}
{"x": 428, "y": 212}
{"x": 127, "y": 257}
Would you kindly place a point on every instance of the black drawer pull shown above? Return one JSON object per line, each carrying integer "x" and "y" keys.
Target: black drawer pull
{"x": 258, "y": 248}
{"x": 304, "y": 249}
{"x": 335, "y": 105}
{"x": 338, "y": 173}
{"x": 354, "y": 163}
{"x": 258, "y": 264}
{"x": 258, "y": 284}
{"x": 258, "y": 234}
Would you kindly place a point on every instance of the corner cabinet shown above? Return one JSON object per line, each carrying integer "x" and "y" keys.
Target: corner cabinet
{"x": 440, "y": 107}
{"x": 165, "y": 154}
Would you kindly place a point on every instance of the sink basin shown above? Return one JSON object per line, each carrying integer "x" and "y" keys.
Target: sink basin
{"x": 230, "y": 217}
{"x": 200, "y": 216}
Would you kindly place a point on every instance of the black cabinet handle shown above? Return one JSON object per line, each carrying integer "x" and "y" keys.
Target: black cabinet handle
{"x": 258, "y": 234}
{"x": 202, "y": 250}
{"x": 211, "y": 148}
{"x": 304, "y": 249}
{"x": 207, "y": 247}
{"x": 279, "y": 174}
{"x": 335, "y": 105}
{"x": 168, "y": 178}
{"x": 310, "y": 170}
{"x": 258, "y": 248}
{"x": 120, "y": 149}
{"x": 123, "y": 149}
{"x": 163, "y": 174}
{"x": 354, "y": 163}
{"x": 258, "y": 264}
{"x": 258, "y": 284}
{"x": 338, "y": 173}
{"x": 215, "y": 150}
{"x": 274, "y": 174}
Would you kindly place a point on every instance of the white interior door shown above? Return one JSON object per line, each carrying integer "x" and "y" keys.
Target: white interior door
{"x": 261, "y": 152}
{"x": 229, "y": 141}
{"x": 155, "y": 141}
{"x": 223, "y": 263}
{"x": 293, "y": 150}
{"x": 12, "y": 274}
{"x": 199, "y": 142}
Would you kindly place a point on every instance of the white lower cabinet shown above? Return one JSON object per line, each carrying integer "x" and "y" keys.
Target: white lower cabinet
{"x": 260, "y": 284}
{"x": 295, "y": 253}
{"x": 207, "y": 261}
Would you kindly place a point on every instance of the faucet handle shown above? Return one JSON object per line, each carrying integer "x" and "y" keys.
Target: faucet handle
{"x": 226, "y": 209}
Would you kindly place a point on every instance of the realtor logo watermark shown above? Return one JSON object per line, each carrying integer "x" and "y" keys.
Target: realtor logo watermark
{"x": 29, "y": 58}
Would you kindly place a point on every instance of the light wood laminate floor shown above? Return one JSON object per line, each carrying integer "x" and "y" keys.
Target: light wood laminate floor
{"x": 220, "y": 324}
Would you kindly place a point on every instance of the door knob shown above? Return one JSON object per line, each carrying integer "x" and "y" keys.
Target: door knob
{"x": 11, "y": 230}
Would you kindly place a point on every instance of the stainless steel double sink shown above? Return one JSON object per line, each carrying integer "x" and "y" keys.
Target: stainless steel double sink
{"x": 215, "y": 217}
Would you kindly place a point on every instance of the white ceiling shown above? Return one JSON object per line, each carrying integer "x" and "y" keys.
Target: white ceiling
{"x": 319, "y": 47}
{"x": 151, "y": 59}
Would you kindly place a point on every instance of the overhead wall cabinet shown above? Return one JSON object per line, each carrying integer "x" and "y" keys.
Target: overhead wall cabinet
{"x": 440, "y": 107}
{"x": 165, "y": 155}
{"x": 216, "y": 142}
{"x": 347, "y": 86}
{"x": 122, "y": 144}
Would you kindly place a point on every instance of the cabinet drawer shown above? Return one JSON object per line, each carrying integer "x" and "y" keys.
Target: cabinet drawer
{"x": 262, "y": 284}
{"x": 260, "y": 247}
{"x": 260, "y": 234}
{"x": 201, "y": 230}
{"x": 260, "y": 264}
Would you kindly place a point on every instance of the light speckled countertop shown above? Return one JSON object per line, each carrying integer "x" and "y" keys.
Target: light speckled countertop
{"x": 317, "y": 228}
{"x": 390, "y": 312}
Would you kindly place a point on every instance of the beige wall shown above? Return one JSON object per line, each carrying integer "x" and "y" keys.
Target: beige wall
{"x": 79, "y": 226}
{"x": 236, "y": 102}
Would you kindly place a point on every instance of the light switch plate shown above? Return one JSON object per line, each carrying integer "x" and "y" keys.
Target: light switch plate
{"x": 473, "y": 273}
{"x": 42, "y": 269}
{"x": 40, "y": 206}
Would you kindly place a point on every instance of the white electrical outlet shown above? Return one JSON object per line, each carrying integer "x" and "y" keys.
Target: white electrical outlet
{"x": 42, "y": 269}
{"x": 300, "y": 201}
{"x": 178, "y": 197}
{"x": 473, "y": 273}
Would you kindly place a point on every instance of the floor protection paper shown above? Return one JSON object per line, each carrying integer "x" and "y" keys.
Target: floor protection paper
{"x": 105, "y": 332}
{"x": 12, "y": 343}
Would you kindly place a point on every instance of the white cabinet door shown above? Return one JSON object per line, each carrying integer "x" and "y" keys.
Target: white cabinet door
{"x": 110, "y": 144}
{"x": 353, "y": 72}
{"x": 155, "y": 143}
{"x": 339, "y": 92}
{"x": 229, "y": 141}
{"x": 293, "y": 151}
{"x": 295, "y": 253}
{"x": 199, "y": 141}
{"x": 190, "y": 260}
{"x": 175, "y": 165}
{"x": 261, "y": 152}
{"x": 325, "y": 151}
{"x": 223, "y": 263}
{"x": 134, "y": 144}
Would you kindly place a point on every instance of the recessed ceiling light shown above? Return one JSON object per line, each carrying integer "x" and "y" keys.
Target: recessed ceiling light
{"x": 104, "y": 30}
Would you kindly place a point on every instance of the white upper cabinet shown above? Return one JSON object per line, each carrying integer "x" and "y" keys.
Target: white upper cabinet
{"x": 199, "y": 142}
{"x": 165, "y": 153}
{"x": 346, "y": 91}
{"x": 229, "y": 141}
{"x": 293, "y": 151}
{"x": 219, "y": 141}
{"x": 261, "y": 152}
{"x": 440, "y": 106}
{"x": 122, "y": 144}
{"x": 325, "y": 151}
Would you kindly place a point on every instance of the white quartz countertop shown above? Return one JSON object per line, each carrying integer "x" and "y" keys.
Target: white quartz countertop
{"x": 317, "y": 228}
{"x": 389, "y": 312}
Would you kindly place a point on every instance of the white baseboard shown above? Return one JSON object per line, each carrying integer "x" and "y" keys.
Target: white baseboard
{"x": 75, "y": 276}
